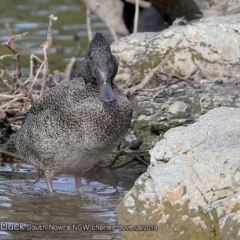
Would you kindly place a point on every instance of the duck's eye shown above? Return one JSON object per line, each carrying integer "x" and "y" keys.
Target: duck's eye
{"x": 90, "y": 58}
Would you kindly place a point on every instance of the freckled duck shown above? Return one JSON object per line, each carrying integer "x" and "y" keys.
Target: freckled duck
{"x": 77, "y": 123}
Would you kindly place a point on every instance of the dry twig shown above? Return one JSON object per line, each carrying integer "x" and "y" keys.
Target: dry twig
{"x": 159, "y": 70}
{"x": 68, "y": 70}
{"x": 4, "y": 81}
{"x": 187, "y": 79}
{"x": 46, "y": 48}
{"x": 31, "y": 88}
{"x": 129, "y": 152}
{"x": 19, "y": 92}
{"x": 147, "y": 78}
{"x": 10, "y": 154}
{"x": 88, "y": 20}
{"x": 17, "y": 56}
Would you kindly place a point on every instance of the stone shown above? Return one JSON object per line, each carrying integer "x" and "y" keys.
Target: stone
{"x": 225, "y": 6}
{"x": 177, "y": 107}
{"x": 191, "y": 190}
{"x": 210, "y": 44}
{"x": 181, "y": 104}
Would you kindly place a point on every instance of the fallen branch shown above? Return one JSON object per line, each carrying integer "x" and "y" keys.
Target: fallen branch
{"x": 4, "y": 96}
{"x": 120, "y": 152}
{"x": 19, "y": 92}
{"x": 147, "y": 78}
{"x": 187, "y": 79}
{"x": 141, "y": 161}
{"x": 129, "y": 152}
{"x": 7, "y": 104}
{"x": 111, "y": 164}
{"x": 10, "y": 154}
{"x": 123, "y": 164}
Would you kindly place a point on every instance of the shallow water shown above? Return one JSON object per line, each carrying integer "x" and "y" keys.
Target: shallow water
{"x": 28, "y": 205}
{"x": 34, "y": 213}
{"x": 24, "y": 16}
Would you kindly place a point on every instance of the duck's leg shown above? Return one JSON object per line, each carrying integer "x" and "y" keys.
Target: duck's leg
{"x": 48, "y": 178}
{"x": 78, "y": 183}
{"x": 38, "y": 175}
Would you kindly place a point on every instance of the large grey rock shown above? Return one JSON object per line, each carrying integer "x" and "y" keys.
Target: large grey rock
{"x": 196, "y": 194}
{"x": 180, "y": 104}
{"x": 225, "y": 6}
{"x": 212, "y": 44}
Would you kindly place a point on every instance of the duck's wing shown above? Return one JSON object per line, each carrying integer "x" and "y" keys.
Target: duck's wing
{"x": 49, "y": 100}
{"x": 56, "y": 97}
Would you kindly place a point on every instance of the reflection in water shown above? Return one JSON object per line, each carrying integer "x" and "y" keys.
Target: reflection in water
{"x": 31, "y": 211}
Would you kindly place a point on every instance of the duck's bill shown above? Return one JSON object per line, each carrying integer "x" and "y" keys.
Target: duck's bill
{"x": 104, "y": 84}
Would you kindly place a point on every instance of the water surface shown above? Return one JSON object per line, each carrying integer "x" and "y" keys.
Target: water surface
{"x": 69, "y": 31}
{"x": 33, "y": 212}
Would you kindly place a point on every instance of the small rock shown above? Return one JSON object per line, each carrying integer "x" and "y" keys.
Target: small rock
{"x": 197, "y": 192}
{"x": 177, "y": 107}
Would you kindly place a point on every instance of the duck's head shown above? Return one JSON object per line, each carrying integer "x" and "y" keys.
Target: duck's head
{"x": 100, "y": 67}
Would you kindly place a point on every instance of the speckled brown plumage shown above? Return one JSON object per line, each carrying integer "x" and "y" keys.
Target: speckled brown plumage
{"x": 74, "y": 125}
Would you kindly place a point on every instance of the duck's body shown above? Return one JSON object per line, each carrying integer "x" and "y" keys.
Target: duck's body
{"x": 69, "y": 129}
